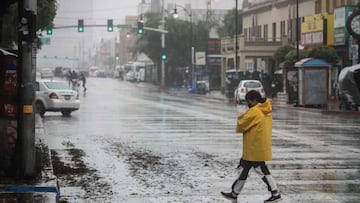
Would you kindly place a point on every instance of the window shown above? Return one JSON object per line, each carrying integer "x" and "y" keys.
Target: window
{"x": 57, "y": 85}
{"x": 252, "y": 84}
{"x": 274, "y": 32}
{"x": 245, "y": 33}
{"x": 37, "y": 86}
{"x": 282, "y": 28}
{"x": 259, "y": 31}
{"x": 290, "y": 32}
{"x": 266, "y": 32}
{"x": 318, "y": 6}
{"x": 251, "y": 33}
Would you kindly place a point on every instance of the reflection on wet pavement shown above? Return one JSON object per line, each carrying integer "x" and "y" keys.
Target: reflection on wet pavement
{"x": 147, "y": 146}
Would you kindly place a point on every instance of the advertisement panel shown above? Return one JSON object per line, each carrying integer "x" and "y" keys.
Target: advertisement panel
{"x": 341, "y": 35}
{"x": 317, "y": 29}
{"x": 214, "y": 46}
{"x": 8, "y": 107}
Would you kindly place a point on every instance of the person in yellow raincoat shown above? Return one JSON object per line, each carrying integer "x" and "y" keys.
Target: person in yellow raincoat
{"x": 256, "y": 126}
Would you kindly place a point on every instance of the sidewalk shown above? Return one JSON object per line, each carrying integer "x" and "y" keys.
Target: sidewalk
{"x": 39, "y": 189}
{"x": 331, "y": 108}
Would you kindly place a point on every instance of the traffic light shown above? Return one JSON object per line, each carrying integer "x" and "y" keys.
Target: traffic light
{"x": 117, "y": 57}
{"x": 163, "y": 57}
{"x": 49, "y": 31}
{"x": 81, "y": 25}
{"x": 28, "y": 25}
{"x": 140, "y": 29}
{"x": 110, "y": 27}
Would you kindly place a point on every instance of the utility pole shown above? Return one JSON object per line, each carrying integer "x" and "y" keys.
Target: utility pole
{"x": 297, "y": 31}
{"x": 26, "y": 75}
{"x": 162, "y": 26}
{"x": 297, "y": 49}
{"x": 236, "y": 38}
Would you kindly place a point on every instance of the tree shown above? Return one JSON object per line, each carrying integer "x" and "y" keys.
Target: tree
{"x": 288, "y": 54}
{"x": 229, "y": 29}
{"x": 150, "y": 42}
{"x": 291, "y": 57}
{"x": 178, "y": 40}
{"x": 280, "y": 53}
{"x": 46, "y": 11}
{"x": 326, "y": 53}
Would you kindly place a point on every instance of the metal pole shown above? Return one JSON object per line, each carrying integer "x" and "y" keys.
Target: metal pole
{"x": 162, "y": 47}
{"x": 193, "y": 79}
{"x": 297, "y": 50}
{"x": 236, "y": 37}
{"x": 192, "y": 50}
{"x": 297, "y": 31}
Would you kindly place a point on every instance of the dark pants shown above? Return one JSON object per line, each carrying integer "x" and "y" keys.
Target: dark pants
{"x": 261, "y": 168}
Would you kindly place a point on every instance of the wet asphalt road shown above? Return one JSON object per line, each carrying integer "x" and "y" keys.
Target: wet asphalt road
{"x": 131, "y": 143}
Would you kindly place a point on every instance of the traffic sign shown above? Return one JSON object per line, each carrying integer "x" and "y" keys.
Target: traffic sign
{"x": 45, "y": 40}
{"x": 124, "y": 26}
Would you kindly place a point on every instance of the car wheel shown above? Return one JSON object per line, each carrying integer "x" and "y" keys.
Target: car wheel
{"x": 40, "y": 109}
{"x": 66, "y": 112}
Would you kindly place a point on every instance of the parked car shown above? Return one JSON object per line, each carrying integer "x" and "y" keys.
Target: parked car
{"x": 56, "y": 96}
{"x": 46, "y": 73}
{"x": 349, "y": 87}
{"x": 100, "y": 73}
{"x": 58, "y": 71}
{"x": 245, "y": 86}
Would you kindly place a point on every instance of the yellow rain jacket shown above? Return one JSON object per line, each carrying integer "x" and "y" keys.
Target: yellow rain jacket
{"x": 256, "y": 126}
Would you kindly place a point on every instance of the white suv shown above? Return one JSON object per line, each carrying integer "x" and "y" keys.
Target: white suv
{"x": 52, "y": 95}
{"x": 245, "y": 86}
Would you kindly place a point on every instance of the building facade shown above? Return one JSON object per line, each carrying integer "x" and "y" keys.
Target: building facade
{"x": 268, "y": 24}
{"x": 127, "y": 41}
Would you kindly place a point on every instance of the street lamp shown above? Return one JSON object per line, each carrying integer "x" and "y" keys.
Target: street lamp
{"x": 189, "y": 13}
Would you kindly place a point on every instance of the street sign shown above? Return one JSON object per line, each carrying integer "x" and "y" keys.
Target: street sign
{"x": 45, "y": 40}
{"x": 200, "y": 58}
{"x": 124, "y": 26}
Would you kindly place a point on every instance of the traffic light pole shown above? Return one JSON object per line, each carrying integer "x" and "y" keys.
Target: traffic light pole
{"x": 162, "y": 26}
{"x": 161, "y": 30}
{"x": 119, "y": 26}
{"x": 26, "y": 76}
{"x": 162, "y": 61}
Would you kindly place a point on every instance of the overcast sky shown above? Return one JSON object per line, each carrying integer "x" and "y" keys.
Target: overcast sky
{"x": 66, "y": 42}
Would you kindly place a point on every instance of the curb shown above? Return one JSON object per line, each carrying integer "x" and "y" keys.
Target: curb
{"x": 43, "y": 188}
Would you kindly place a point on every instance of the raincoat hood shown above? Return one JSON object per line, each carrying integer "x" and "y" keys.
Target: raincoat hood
{"x": 265, "y": 107}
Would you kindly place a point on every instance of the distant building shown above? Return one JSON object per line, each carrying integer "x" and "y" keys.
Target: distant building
{"x": 127, "y": 41}
{"x": 268, "y": 24}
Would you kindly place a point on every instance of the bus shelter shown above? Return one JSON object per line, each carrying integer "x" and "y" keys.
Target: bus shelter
{"x": 314, "y": 82}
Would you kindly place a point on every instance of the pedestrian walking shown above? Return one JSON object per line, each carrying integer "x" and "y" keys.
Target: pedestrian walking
{"x": 256, "y": 126}
{"x": 83, "y": 79}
